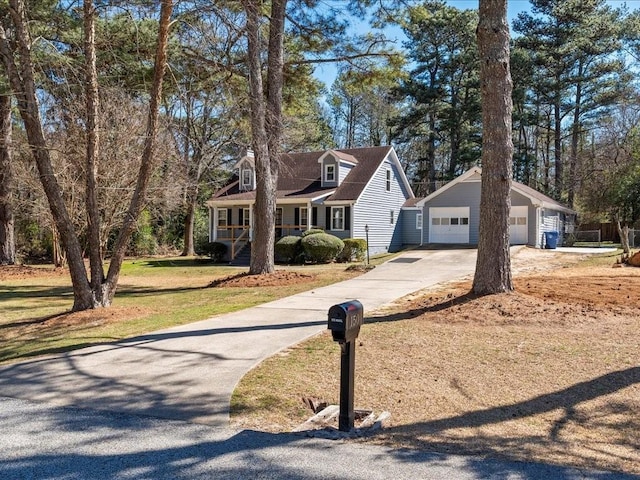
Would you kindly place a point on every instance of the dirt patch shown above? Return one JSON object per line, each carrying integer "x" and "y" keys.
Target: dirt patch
{"x": 20, "y": 272}
{"x": 275, "y": 279}
{"x": 548, "y": 373}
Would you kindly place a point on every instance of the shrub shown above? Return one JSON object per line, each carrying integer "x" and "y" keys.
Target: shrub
{"x": 321, "y": 247}
{"x": 313, "y": 231}
{"x": 354, "y": 249}
{"x": 143, "y": 241}
{"x": 288, "y": 249}
{"x": 215, "y": 250}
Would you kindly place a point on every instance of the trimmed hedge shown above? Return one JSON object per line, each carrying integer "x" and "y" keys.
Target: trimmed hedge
{"x": 215, "y": 250}
{"x": 321, "y": 247}
{"x": 354, "y": 249}
{"x": 288, "y": 249}
{"x": 312, "y": 231}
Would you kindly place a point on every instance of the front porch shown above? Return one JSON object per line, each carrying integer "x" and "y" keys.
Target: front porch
{"x": 233, "y": 224}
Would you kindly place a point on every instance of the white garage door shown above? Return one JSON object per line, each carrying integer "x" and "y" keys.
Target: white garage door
{"x": 449, "y": 225}
{"x": 518, "y": 231}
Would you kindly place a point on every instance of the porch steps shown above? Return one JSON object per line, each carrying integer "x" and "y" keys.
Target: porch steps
{"x": 243, "y": 258}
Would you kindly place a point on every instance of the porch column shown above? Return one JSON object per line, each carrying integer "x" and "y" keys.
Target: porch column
{"x": 214, "y": 224}
{"x": 251, "y": 222}
{"x": 309, "y": 215}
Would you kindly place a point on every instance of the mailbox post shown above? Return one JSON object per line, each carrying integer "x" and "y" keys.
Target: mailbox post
{"x": 345, "y": 320}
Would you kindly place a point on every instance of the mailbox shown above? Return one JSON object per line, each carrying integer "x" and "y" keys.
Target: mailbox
{"x": 345, "y": 320}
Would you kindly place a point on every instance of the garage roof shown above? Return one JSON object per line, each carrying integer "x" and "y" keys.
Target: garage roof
{"x": 537, "y": 199}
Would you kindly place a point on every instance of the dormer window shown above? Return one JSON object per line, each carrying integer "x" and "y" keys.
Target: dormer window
{"x": 330, "y": 173}
{"x": 246, "y": 178}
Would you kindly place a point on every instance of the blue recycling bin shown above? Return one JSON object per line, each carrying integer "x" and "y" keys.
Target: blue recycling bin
{"x": 550, "y": 239}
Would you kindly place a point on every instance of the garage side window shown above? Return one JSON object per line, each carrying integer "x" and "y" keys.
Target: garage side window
{"x": 419, "y": 221}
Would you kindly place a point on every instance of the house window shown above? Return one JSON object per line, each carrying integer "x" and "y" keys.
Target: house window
{"x": 337, "y": 218}
{"x": 419, "y": 221}
{"x": 391, "y": 217}
{"x": 246, "y": 177}
{"x": 304, "y": 216}
{"x": 330, "y": 173}
{"x": 222, "y": 218}
{"x": 245, "y": 217}
{"x": 278, "y": 216}
{"x": 388, "y": 184}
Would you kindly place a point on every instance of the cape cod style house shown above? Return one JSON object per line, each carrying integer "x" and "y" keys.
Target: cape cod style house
{"x": 364, "y": 192}
{"x": 344, "y": 192}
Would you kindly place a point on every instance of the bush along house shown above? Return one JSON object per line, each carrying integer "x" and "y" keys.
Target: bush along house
{"x": 344, "y": 192}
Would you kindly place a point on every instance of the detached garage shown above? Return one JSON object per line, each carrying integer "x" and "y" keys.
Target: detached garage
{"x": 452, "y": 214}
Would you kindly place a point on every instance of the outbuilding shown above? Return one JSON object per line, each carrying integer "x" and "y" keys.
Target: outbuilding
{"x": 451, "y": 215}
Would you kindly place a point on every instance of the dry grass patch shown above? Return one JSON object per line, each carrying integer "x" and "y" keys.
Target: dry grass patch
{"x": 548, "y": 373}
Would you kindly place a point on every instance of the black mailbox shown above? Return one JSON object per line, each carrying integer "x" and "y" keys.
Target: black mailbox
{"x": 345, "y": 320}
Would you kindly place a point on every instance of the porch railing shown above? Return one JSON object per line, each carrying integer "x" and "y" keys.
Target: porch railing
{"x": 234, "y": 245}
{"x": 238, "y": 235}
{"x": 234, "y": 234}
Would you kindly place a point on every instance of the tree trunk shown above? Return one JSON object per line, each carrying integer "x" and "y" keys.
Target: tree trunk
{"x": 493, "y": 267}
{"x": 147, "y": 162}
{"x": 266, "y": 128}
{"x": 623, "y": 232}
{"x": 22, "y": 81}
{"x": 7, "y": 238}
{"x": 575, "y": 138}
{"x": 92, "y": 104}
{"x": 557, "y": 147}
{"x": 189, "y": 223}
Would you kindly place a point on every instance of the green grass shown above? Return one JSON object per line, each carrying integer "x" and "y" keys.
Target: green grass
{"x": 152, "y": 294}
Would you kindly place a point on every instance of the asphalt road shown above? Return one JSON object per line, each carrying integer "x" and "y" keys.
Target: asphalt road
{"x": 157, "y": 406}
{"x": 67, "y": 443}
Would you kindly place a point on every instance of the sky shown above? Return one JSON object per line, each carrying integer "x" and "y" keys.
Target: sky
{"x": 327, "y": 72}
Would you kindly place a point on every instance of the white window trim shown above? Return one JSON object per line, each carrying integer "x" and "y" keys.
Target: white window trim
{"x": 247, "y": 184}
{"x": 419, "y": 221}
{"x": 333, "y": 228}
{"x": 222, "y": 218}
{"x": 388, "y": 180}
{"x": 304, "y": 220}
{"x": 326, "y": 172}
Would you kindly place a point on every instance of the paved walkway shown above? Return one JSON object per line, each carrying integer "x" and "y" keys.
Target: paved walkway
{"x": 116, "y": 411}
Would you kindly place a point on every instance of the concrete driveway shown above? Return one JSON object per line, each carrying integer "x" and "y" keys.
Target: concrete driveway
{"x": 189, "y": 372}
